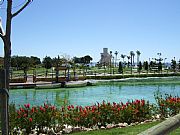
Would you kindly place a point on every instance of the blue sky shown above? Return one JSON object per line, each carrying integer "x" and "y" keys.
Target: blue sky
{"x": 85, "y": 27}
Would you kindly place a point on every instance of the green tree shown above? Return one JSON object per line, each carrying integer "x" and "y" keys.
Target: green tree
{"x": 123, "y": 56}
{"x": 35, "y": 60}
{"x": 120, "y": 69}
{"x": 179, "y": 65}
{"x": 173, "y": 65}
{"x": 160, "y": 67}
{"x": 87, "y": 59}
{"x": 139, "y": 67}
{"x": 128, "y": 57}
{"x": 47, "y": 63}
{"x": 146, "y": 66}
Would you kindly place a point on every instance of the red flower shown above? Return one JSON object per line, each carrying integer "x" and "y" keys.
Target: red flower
{"x": 30, "y": 119}
{"x": 25, "y": 115}
{"x": 42, "y": 109}
{"x": 72, "y": 106}
{"x": 19, "y": 112}
{"x": 32, "y": 110}
{"x": 161, "y": 104}
{"x": 27, "y": 105}
{"x": 142, "y": 102}
{"x": 21, "y": 109}
{"x": 53, "y": 107}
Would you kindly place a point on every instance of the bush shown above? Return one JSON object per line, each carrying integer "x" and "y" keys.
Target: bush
{"x": 28, "y": 117}
{"x": 167, "y": 104}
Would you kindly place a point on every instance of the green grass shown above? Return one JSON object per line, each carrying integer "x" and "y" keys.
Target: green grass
{"x": 133, "y": 130}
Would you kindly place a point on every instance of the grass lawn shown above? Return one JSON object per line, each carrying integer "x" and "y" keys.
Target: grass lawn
{"x": 133, "y": 130}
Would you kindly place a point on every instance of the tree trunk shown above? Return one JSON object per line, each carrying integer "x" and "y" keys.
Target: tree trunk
{"x": 7, "y": 56}
{"x": 4, "y": 103}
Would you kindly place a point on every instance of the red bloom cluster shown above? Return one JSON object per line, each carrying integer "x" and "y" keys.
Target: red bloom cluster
{"x": 104, "y": 113}
{"x": 168, "y": 105}
{"x": 28, "y": 117}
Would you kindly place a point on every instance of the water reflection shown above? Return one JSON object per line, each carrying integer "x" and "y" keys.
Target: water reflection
{"x": 112, "y": 92}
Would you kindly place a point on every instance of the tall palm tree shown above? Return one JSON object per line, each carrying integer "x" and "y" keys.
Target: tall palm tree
{"x": 128, "y": 57}
{"x": 116, "y": 53}
{"x": 123, "y": 56}
{"x": 138, "y": 55}
{"x": 110, "y": 60}
{"x": 132, "y": 59}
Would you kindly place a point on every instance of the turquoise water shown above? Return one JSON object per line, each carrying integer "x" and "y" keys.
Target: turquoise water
{"x": 109, "y": 91}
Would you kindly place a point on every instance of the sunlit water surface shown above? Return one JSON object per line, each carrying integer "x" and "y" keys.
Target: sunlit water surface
{"x": 109, "y": 91}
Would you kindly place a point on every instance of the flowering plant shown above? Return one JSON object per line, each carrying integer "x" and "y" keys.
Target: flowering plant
{"x": 168, "y": 105}
{"x": 28, "y": 117}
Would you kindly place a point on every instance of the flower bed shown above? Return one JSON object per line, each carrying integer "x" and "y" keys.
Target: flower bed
{"x": 47, "y": 117}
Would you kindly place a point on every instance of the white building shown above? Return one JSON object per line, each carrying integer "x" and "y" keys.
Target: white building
{"x": 105, "y": 57}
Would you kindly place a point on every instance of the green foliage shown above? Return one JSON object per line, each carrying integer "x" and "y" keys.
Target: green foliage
{"x": 146, "y": 66}
{"x": 23, "y": 62}
{"x": 139, "y": 67}
{"x": 159, "y": 66}
{"x": 47, "y": 62}
{"x": 173, "y": 65}
{"x": 167, "y": 104}
{"x": 120, "y": 69}
{"x": 28, "y": 117}
{"x": 83, "y": 60}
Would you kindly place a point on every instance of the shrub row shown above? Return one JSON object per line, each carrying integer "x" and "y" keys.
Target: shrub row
{"x": 130, "y": 76}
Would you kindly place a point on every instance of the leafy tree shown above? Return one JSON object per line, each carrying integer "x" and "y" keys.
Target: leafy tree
{"x": 87, "y": 59}
{"x": 120, "y": 69}
{"x": 179, "y": 65}
{"x": 146, "y": 66}
{"x": 128, "y": 57}
{"x": 35, "y": 60}
{"x": 160, "y": 67}
{"x": 21, "y": 62}
{"x": 123, "y": 56}
{"x": 151, "y": 64}
{"x": 77, "y": 60}
{"x": 139, "y": 67}
{"x": 173, "y": 65}
{"x": 47, "y": 63}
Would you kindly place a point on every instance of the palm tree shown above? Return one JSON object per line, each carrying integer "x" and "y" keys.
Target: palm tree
{"x": 123, "y": 56}
{"x": 110, "y": 60}
{"x": 132, "y": 59}
{"x": 116, "y": 53}
{"x": 128, "y": 57}
{"x": 138, "y": 55}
